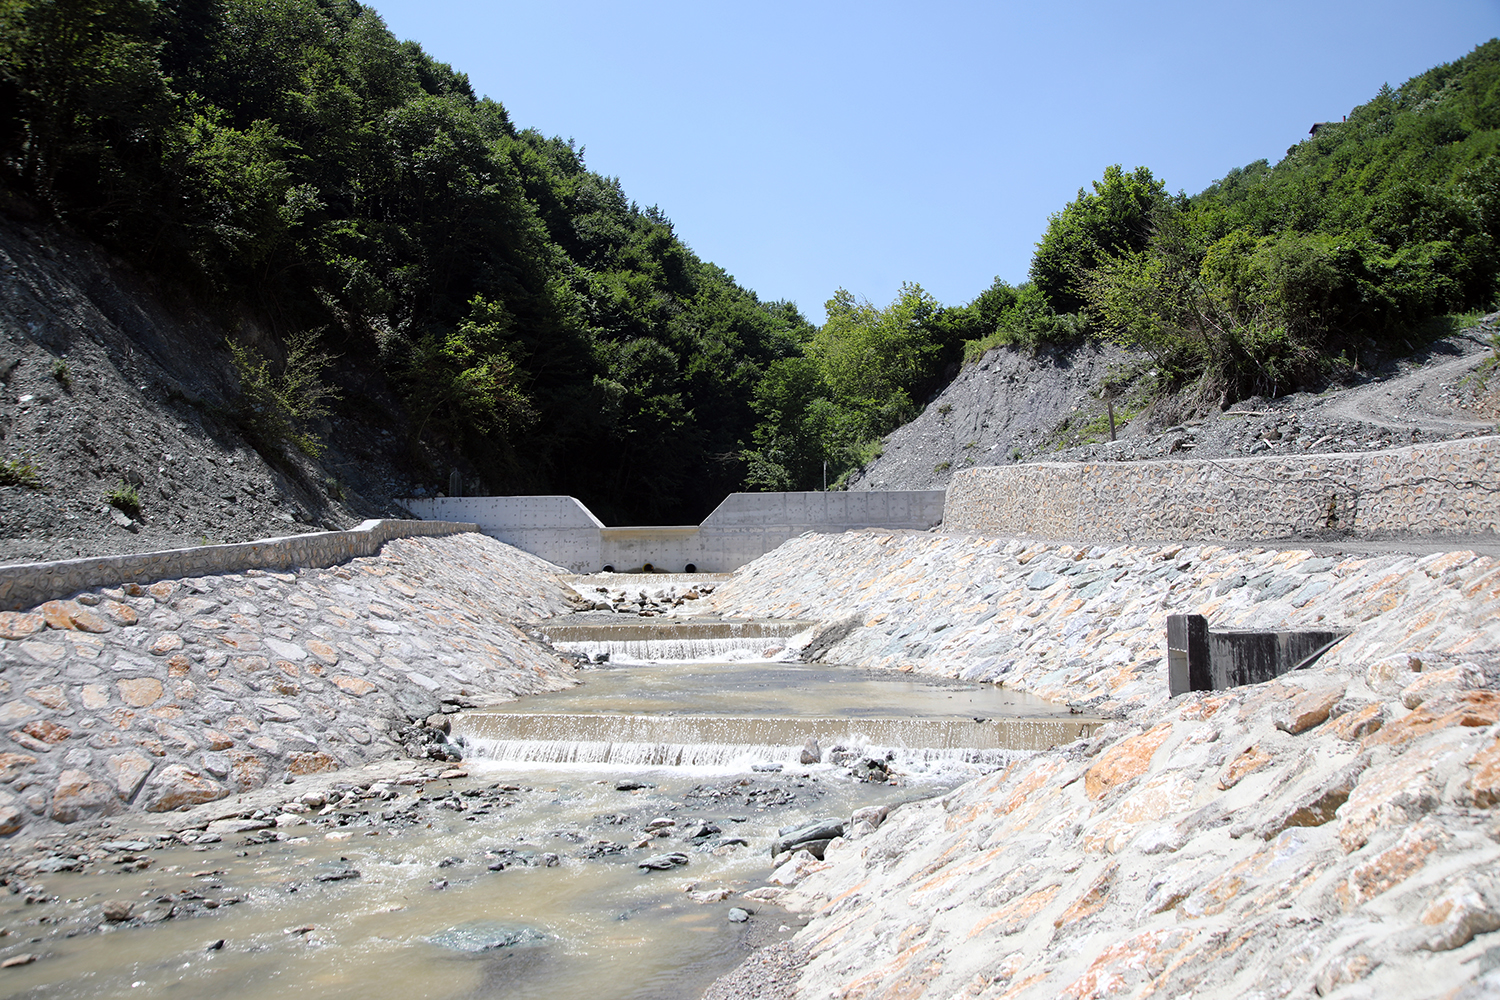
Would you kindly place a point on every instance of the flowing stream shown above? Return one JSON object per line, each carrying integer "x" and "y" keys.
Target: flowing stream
{"x": 520, "y": 878}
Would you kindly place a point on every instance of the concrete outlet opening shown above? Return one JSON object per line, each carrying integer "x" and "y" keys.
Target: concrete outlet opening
{"x": 1202, "y": 660}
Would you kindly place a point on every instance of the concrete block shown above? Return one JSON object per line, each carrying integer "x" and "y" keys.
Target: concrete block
{"x": 1200, "y": 659}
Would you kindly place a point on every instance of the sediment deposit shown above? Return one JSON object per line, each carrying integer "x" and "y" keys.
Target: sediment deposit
{"x": 1329, "y": 833}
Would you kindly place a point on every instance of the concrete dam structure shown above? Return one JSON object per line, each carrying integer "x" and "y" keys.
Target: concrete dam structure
{"x": 743, "y": 528}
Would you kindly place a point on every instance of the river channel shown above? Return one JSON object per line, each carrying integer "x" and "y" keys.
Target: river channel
{"x": 518, "y": 875}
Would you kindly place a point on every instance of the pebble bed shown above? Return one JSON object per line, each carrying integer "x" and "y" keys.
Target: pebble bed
{"x": 1329, "y": 833}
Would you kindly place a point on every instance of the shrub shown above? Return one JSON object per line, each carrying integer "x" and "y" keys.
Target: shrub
{"x": 276, "y": 409}
{"x": 125, "y": 499}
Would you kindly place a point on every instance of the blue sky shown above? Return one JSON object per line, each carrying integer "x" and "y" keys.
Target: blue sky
{"x": 809, "y": 146}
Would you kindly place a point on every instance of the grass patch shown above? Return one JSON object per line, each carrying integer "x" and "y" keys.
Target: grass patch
{"x": 20, "y": 472}
{"x": 125, "y": 499}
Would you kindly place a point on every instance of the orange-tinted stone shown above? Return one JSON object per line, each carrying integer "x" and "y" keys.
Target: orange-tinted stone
{"x": 138, "y": 692}
{"x": 357, "y": 686}
{"x": 1014, "y": 916}
{"x": 59, "y": 614}
{"x": 16, "y": 625}
{"x": 311, "y": 762}
{"x": 1357, "y": 725}
{"x": 51, "y": 695}
{"x": 217, "y": 740}
{"x": 78, "y": 795}
{"x": 13, "y": 764}
{"x": 1252, "y": 758}
{"x": 175, "y": 786}
{"x": 1484, "y": 782}
{"x": 1390, "y": 867}
{"x": 179, "y": 666}
{"x": 1309, "y": 709}
{"x": 120, "y": 614}
{"x": 247, "y": 770}
{"x": 1092, "y": 900}
{"x": 1471, "y": 708}
{"x": 1125, "y": 761}
{"x": 323, "y": 651}
{"x": 46, "y": 731}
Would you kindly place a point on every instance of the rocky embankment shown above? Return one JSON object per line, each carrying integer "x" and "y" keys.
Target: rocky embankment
{"x": 1329, "y": 833}
{"x": 152, "y": 698}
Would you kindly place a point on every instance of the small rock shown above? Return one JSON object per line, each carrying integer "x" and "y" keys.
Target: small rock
{"x": 1309, "y": 710}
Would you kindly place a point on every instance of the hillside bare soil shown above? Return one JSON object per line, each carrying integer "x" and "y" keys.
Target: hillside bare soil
{"x": 1014, "y": 406}
{"x": 108, "y": 384}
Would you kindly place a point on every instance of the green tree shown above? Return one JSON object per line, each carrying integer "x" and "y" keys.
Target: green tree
{"x": 1115, "y": 218}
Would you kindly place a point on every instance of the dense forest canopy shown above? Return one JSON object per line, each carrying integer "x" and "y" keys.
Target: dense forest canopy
{"x": 293, "y": 159}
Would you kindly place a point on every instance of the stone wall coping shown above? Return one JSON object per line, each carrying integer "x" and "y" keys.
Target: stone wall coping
{"x": 24, "y": 585}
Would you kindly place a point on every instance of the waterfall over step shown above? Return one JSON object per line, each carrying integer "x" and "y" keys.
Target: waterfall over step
{"x": 675, "y": 641}
{"x": 725, "y": 741}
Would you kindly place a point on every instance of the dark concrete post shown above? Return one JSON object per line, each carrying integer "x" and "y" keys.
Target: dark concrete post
{"x": 1187, "y": 654}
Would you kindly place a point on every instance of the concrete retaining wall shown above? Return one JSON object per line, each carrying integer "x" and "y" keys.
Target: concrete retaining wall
{"x": 25, "y": 585}
{"x": 559, "y": 529}
{"x": 742, "y": 528}
{"x": 1444, "y": 488}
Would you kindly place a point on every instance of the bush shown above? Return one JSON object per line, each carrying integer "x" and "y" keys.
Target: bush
{"x": 276, "y": 410}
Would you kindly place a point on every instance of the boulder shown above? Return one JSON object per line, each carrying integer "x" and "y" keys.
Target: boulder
{"x": 175, "y": 786}
{"x": 79, "y": 795}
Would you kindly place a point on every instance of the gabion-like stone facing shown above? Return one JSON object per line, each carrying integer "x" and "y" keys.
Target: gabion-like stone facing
{"x": 1443, "y": 488}
{"x": 25, "y": 585}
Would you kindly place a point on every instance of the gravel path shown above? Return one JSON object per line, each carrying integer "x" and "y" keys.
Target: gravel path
{"x": 1430, "y": 397}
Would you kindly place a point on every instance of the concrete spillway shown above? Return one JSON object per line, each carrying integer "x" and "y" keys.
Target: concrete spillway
{"x": 991, "y": 734}
{"x": 675, "y": 740}
{"x": 675, "y": 641}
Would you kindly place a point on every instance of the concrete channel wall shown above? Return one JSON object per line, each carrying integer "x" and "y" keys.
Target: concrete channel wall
{"x": 1443, "y": 488}
{"x": 742, "y": 528}
{"x": 25, "y": 585}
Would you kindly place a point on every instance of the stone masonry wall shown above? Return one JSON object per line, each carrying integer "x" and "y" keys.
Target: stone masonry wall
{"x": 1335, "y": 832}
{"x": 25, "y": 584}
{"x": 192, "y": 688}
{"x": 1448, "y": 487}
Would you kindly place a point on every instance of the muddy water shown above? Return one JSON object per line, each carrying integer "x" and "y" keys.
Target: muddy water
{"x": 588, "y": 926}
{"x": 541, "y": 860}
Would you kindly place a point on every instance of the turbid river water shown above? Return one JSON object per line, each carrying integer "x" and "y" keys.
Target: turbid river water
{"x": 521, "y": 879}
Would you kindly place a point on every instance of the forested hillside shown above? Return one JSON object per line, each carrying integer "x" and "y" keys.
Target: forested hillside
{"x": 295, "y": 163}
{"x": 293, "y": 167}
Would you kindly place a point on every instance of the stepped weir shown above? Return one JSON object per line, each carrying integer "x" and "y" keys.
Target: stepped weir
{"x": 728, "y": 695}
